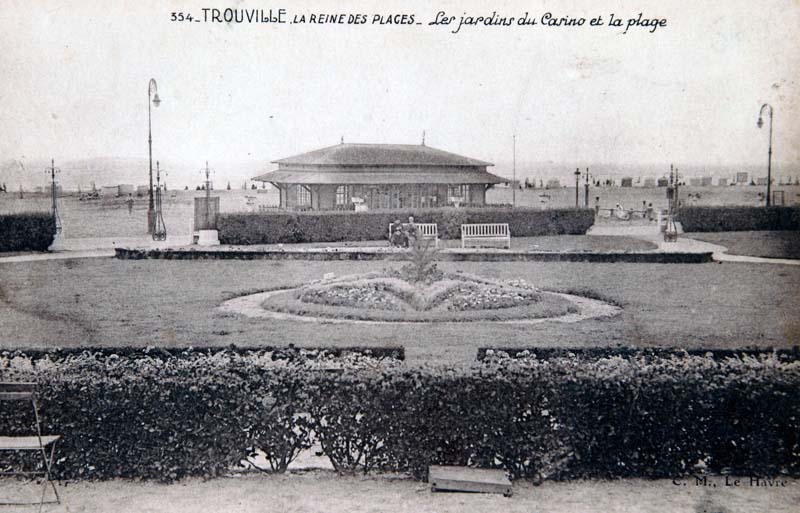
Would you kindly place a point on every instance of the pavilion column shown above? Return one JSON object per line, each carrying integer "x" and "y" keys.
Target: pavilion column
{"x": 477, "y": 194}
{"x": 281, "y": 194}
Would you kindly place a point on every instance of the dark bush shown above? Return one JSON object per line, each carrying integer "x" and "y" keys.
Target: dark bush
{"x": 737, "y": 219}
{"x": 289, "y": 353}
{"x": 31, "y": 231}
{"x": 593, "y": 353}
{"x": 292, "y": 227}
{"x": 561, "y": 417}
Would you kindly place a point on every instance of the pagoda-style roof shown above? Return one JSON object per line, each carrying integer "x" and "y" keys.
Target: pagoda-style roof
{"x": 347, "y": 164}
{"x": 379, "y": 155}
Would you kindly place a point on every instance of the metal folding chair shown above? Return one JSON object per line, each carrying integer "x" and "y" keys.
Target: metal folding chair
{"x": 33, "y": 443}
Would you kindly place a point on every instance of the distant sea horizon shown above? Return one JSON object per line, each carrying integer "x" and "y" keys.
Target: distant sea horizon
{"x": 110, "y": 171}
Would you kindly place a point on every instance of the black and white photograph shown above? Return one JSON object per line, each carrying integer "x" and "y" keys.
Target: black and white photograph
{"x": 399, "y": 256}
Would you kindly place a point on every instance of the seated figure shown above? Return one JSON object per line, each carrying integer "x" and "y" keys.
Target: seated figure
{"x": 398, "y": 237}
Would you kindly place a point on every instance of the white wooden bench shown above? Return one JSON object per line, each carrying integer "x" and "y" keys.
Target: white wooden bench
{"x": 481, "y": 235}
{"x": 425, "y": 231}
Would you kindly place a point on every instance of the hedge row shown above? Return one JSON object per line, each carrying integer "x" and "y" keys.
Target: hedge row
{"x": 735, "y": 219}
{"x": 293, "y": 227}
{"x": 290, "y": 352}
{"x": 787, "y": 354}
{"x": 563, "y": 417}
{"x": 31, "y": 231}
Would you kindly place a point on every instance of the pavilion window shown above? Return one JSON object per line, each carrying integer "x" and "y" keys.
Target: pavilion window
{"x": 303, "y": 196}
{"x": 343, "y": 194}
{"x": 459, "y": 191}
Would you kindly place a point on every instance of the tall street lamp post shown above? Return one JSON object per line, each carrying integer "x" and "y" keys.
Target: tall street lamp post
{"x": 577, "y": 187}
{"x": 159, "y": 228}
{"x": 152, "y": 91}
{"x": 586, "y": 194}
{"x": 769, "y": 156}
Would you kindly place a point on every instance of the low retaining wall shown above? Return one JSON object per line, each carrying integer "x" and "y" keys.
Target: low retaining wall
{"x": 447, "y": 255}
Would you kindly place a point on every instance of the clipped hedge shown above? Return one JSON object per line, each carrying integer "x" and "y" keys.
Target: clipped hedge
{"x": 562, "y": 417}
{"x": 289, "y": 352}
{"x": 30, "y": 231}
{"x": 785, "y": 354}
{"x": 294, "y": 227}
{"x": 738, "y": 218}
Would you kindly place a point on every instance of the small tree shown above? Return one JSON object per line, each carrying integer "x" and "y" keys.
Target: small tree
{"x": 422, "y": 262}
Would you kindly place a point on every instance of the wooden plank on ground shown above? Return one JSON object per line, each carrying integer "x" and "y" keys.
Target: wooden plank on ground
{"x": 466, "y": 479}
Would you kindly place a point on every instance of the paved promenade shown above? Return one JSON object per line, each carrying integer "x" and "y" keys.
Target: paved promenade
{"x": 683, "y": 244}
{"x": 325, "y": 491}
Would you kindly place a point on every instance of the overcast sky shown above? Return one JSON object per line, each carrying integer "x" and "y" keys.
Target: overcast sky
{"x": 75, "y": 74}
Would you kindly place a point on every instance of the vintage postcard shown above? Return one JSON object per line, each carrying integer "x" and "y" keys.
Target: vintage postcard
{"x": 348, "y": 255}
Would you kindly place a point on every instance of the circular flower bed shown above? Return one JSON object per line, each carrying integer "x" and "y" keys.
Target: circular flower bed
{"x": 383, "y": 296}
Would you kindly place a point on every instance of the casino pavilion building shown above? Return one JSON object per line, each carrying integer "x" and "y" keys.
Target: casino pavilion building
{"x": 379, "y": 176}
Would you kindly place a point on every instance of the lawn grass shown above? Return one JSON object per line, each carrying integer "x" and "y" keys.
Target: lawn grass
{"x": 108, "y": 302}
{"x": 767, "y": 244}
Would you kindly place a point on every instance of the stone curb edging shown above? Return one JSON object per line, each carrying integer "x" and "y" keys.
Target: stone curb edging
{"x": 448, "y": 255}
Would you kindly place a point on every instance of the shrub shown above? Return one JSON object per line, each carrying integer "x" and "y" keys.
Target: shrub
{"x": 32, "y": 231}
{"x": 289, "y": 353}
{"x": 562, "y": 417}
{"x": 292, "y": 227}
{"x": 738, "y": 218}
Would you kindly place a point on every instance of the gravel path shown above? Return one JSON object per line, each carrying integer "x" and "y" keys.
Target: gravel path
{"x": 328, "y": 492}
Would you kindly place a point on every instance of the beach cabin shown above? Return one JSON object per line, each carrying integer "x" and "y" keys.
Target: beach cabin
{"x": 109, "y": 190}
